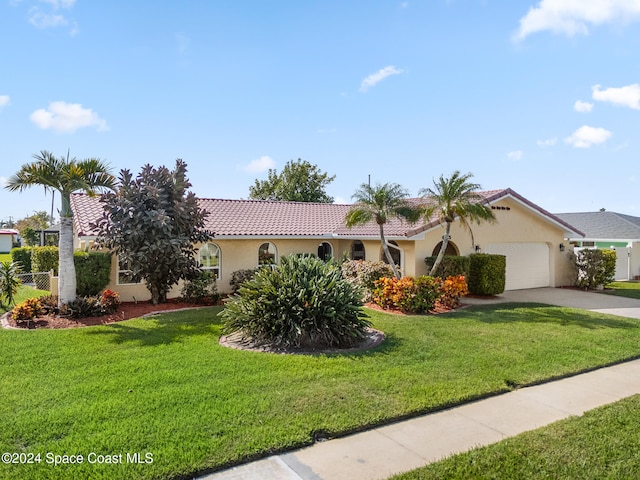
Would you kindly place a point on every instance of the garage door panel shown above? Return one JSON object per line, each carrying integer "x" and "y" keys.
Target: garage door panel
{"x": 527, "y": 264}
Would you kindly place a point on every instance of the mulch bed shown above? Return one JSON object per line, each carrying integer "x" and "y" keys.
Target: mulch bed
{"x": 126, "y": 311}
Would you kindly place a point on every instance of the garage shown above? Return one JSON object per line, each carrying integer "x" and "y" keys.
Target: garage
{"x": 527, "y": 264}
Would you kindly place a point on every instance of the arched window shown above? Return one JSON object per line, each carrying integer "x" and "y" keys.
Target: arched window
{"x": 325, "y": 251}
{"x": 394, "y": 250}
{"x": 267, "y": 255}
{"x": 451, "y": 250}
{"x": 357, "y": 250}
{"x": 209, "y": 258}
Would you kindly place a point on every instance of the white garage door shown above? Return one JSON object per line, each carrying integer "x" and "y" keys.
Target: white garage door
{"x": 527, "y": 264}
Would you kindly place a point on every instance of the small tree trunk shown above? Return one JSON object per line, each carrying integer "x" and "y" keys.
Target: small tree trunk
{"x": 66, "y": 267}
{"x": 387, "y": 253}
{"x": 443, "y": 248}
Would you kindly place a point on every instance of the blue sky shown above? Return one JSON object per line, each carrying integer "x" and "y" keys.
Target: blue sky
{"x": 539, "y": 96}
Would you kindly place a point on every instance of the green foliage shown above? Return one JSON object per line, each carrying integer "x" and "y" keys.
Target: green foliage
{"x": 240, "y": 276}
{"x": 93, "y": 270}
{"x": 487, "y": 273}
{"x": 9, "y": 282}
{"x": 30, "y": 236}
{"x": 450, "y": 265}
{"x": 22, "y": 256}
{"x": 298, "y": 182}
{"x": 92, "y": 305}
{"x": 44, "y": 259}
{"x": 304, "y": 302}
{"x": 596, "y": 268}
{"x": 363, "y": 274}
{"x": 152, "y": 224}
{"x": 202, "y": 288}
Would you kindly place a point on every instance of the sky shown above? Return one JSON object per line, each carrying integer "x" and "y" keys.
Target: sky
{"x": 542, "y": 97}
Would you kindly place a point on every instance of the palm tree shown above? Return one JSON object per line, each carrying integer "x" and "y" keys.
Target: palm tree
{"x": 451, "y": 198}
{"x": 381, "y": 203}
{"x": 65, "y": 176}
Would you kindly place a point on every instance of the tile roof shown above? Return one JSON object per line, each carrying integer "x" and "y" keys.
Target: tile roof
{"x": 604, "y": 225}
{"x": 262, "y": 218}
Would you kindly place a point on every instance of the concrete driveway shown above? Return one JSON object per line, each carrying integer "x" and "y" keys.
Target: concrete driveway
{"x": 567, "y": 297}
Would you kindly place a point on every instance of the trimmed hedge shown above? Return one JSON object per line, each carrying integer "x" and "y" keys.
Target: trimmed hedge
{"x": 487, "y": 274}
{"x": 22, "y": 256}
{"x": 44, "y": 259}
{"x": 92, "y": 272}
{"x": 451, "y": 266}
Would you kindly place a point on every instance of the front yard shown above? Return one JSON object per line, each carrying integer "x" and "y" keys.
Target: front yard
{"x": 159, "y": 398}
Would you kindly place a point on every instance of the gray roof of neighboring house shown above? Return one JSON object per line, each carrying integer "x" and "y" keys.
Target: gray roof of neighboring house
{"x": 264, "y": 218}
{"x": 604, "y": 225}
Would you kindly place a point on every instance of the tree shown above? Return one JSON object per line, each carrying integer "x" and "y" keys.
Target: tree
{"x": 298, "y": 182}
{"x": 29, "y": 226}
{"x": 381, "y": 203}
{"x": 64, "y": 175}
{"x": 451, "y": 198}
{"x": 152, "y": 223}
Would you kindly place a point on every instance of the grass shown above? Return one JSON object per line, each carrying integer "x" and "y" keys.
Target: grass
{"x": 603, "y": 443}
{"x": 629, "y": 289}
{"x": 164, "y": 386}
{"x": 24, "y": 292}
{"x": 5, "y": 257}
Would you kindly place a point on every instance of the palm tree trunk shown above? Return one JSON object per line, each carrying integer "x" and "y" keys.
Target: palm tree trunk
{"x": 387, "y": 253}
{"x": 66, "y": 267}
{"x": 445, "y": 242}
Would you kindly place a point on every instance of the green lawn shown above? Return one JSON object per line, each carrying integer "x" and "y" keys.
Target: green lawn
{"x": 25, "y": 292}
{"x": 603, "y": 443}
{"x": 5, "y": 257}
{"x": 629, "y": 289}
{"x": 163, "y": 386}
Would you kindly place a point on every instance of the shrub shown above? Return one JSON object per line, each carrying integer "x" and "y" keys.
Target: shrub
{"x": 22, "y": 256}
{"x": 487, "y": 273}
{"x": 239, "y": 277}
{"x": 201, "y": 289}
{"x": 26, "y": 310}
{"x": 596, "y": 268}
{"x": 363, "y": 274}
{"x": 304, "y": 302}
{"x": 49, "y": 304}
{"x": 92, "y": 272}
{"x": 453, "y": 288}
{"x": 83, "y": 307}
{"x": 9, "y": 281}
{"x": 44, "y": 259}
{"x": 110, "y": 301}
{"x": 450, "y": 266}
{"x": 408, "y": 294}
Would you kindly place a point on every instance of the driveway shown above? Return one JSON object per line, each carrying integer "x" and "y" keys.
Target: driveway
{"x": 567, "y": 297}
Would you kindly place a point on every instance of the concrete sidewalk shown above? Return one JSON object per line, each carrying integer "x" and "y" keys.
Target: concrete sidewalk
{"x": 399, "y": 447}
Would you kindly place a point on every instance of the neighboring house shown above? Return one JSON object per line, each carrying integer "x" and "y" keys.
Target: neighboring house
{"x": 610, "y": 230}
{"x": 8, "y": 237}
{"x": 249, "y": 233}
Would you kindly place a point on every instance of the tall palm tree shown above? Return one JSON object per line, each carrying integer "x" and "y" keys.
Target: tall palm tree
{"x": 451, "y": 198}
{"x": 65, "y": 176}
{"x": 381, "y": 203}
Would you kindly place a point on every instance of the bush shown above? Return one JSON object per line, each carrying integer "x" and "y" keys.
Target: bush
{"x": 26, "y": 310}
{"x": 596, "y": 268}
{"x": 450, "y": 266}
{"x": 487, "y": 273}
{"x": 49, "y": 304}
{"x": 93, "y": 270}
{"x": 83, "y": 307}
{"x": 363, "y": 274}
{"x": 408, "y": 294}
{"x": 240, "y": 276}
{"x": 201, "y": 289}
{"x": 9, "y": 281}
{"x": 304, "y": 302}
{"x": 44, "y": 259}
{"x": 110, "y": 301}
{"x": 22, "y": 256}
{"x": 453, "y": 288}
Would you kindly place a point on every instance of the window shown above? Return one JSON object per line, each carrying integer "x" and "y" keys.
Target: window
{"x": 394, "y": 250}
{"x": 451, "y": 250}
{"x": 325, "y": 251}
{"x": 125, "y": 275}
{"x": 267, "y": 255}
{"x": 357, "y": 250}
{"x": 209, "y": 258}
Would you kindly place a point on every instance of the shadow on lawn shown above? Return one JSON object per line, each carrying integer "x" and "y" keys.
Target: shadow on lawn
{"x": 521, "y": 312}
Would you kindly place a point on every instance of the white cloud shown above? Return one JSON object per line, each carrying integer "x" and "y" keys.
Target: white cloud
{"x": 4, "y": 100}
{"x": 586, "y": 137}
{"x": 56, "y": 4}
{"x": 377, "y": 77}
{"x": 628, "y": 96}
{"x": 572, "y": 17}
{"x": 549, "y": 142}
{"x": 261, "y": 164}
{"x": 51, "y": 17}
{"x": 67, "y": 117}
{"x": 582, "y": 107}
{"x": 515, "y": 155}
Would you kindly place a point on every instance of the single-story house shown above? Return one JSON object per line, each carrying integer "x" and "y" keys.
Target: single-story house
{"x": 8, "y": 237}
{"x": 249, "y": 233}
{"x": 609, "y": 230}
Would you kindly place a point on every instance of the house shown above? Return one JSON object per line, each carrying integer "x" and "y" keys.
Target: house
{"x": 609, "y": 230}
{"x": 8, "y": 238}
{"x": 249, "y": 233}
